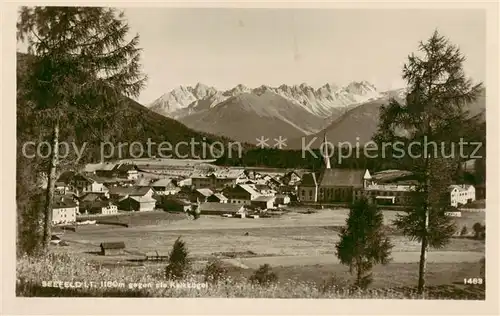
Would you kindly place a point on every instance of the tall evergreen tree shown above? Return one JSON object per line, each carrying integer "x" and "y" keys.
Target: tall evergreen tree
{"x": 82, "y": 68}
{"x": 433, "y": 113}
{"x": 363, "y": 242}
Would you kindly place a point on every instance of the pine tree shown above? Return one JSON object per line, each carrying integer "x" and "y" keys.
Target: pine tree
{"x": 433, "y": 113}
{"x": 81, "y": 69}
{"x": 363, "y": 242}
{"x": 179, "y": 262}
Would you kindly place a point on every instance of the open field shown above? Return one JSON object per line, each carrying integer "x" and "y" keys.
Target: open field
{"x": 390, "y": 275}
{"x": 299, "y": 247}
{"x": 293, "y": 239}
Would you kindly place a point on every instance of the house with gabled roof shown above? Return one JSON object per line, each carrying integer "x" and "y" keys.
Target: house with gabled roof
{"x": 218, "y": 198}
{"x": 64, "y": 210}
{"x": 461, "y": 194}
{"x": 263, "y": 202}
{"x": 165, "y": 187}
{"x": 241, "y": 194}
{"x": 118, "y": 193}
{"x": 137, "y": 203}
{"x": 127, "y": 171}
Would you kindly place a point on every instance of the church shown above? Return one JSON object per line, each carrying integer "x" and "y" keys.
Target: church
{"x": 332, "y": 185}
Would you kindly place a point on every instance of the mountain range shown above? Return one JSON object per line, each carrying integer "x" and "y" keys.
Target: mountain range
{"x": 244, "y": 114}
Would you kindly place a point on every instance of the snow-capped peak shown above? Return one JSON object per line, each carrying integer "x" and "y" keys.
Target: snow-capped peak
{"x": 321, "y": 102}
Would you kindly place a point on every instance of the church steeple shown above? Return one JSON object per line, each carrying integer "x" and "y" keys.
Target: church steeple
{"x": 326, "y": 156}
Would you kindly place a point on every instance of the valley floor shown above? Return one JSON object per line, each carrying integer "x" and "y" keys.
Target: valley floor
{"x": 297, "y": 245}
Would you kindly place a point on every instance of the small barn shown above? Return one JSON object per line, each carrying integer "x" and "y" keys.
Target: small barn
{"x": 263, "y": 202}
{"x": 112, "y": 248}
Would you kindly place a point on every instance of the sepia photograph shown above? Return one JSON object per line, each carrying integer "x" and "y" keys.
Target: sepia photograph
{"x": 246, "y": 152}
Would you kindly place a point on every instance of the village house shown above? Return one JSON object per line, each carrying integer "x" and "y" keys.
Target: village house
{"x": 106, "y": 170}
{"x": 112, "y": 248}
{"x": 219, "y": 179}
{"x": 127, "y": 171}
{"x": 217, "y": 198}
{"x": 241, "y": 194}
{"x": 291, "y": 178}
{"x": 461, "y": 194}
{"x": 62, "y": 188}
{"x": 389, "y": 194}
{"x": 282, "y": 199}
{"x": 64, "y": 211}
{"x": 201, "y": 195}
{"x": 210, "y": 208}
{"x": 263, "y": 202}
{"x": 117, "y": 193}
{"x": 99, "y": 207}
{"x": 172, "y": 204}
{"x": 137, "y": 204}
{"x": 80, "y": 184}
{"x": 165, "y": 187}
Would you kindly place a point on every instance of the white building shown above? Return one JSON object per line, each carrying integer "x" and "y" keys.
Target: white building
{"x": 461, "y": 194}
{"x": 64, "y": 211}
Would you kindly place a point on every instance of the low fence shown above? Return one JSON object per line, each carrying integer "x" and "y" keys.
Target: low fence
{"x": 472, "y": 209}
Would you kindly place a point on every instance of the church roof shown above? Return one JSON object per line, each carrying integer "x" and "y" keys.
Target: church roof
{"x": 342, "y": 177}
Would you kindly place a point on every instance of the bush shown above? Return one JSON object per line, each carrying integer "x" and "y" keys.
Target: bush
{"x": 331, "y": 284}
{"x": 179, "y": 262}
{"x": 479, "y": 231}
{"x": 214, "y": 271}
{"x": 264, "y": 275}
{"x": 464, "y": 231}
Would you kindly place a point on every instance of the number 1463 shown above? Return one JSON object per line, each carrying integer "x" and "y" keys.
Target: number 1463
{"x": 473, "y": 281}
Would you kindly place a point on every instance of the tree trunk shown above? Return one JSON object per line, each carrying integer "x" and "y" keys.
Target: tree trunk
{"x": 423, "y": 262}
{"x": 423, "y": 249}
{"x": 47, "y": 225}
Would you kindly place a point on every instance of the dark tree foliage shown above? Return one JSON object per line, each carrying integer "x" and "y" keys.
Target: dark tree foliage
{"x": 433, "y": 112}
{"x": 363, "y": 242}
{"x": 80, "y": 70}
{"x": 178, "y": 262}
{"x": 264, "y": 276}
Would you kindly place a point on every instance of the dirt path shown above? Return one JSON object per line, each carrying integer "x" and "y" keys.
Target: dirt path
{"x": 398, "y": 257}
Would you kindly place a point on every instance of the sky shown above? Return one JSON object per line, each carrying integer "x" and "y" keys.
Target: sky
{"x": 223, "y": 47}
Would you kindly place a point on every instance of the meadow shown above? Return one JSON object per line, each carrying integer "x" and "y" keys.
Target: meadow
{"x": 299, "y": 247}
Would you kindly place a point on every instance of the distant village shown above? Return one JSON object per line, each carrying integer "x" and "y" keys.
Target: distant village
{"x": 147, "y": 185}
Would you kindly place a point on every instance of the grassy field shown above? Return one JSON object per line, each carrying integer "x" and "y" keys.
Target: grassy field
{"x": 293, "y": 234}
{"x": 32, "y": 272}
{"x": 300, "y": 248}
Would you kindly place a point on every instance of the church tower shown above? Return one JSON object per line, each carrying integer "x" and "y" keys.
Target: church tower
{"x": 326, "y": 155}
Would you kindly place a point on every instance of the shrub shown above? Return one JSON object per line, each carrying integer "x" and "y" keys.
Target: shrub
{"x": 264, "y": 275}
{"x": 215, "y": 271}
{"x": 464, "y": 231}
{"x": 179, "y": 262}
{"x": 479, "y": 231}
{"x": 331, "y": 284}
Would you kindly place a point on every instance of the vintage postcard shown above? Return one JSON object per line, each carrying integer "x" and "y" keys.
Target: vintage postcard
{"x": 226, "y": 151}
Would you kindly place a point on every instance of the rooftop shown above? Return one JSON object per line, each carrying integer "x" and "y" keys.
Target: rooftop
{"x": 263, "y": 198}
{"x": 342, "y": 177}
{"x": 113, "y": 245}
{"x": 205, "y": 192}
{"x": 132, "y": 191}
{"x": 220, "y": 207}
